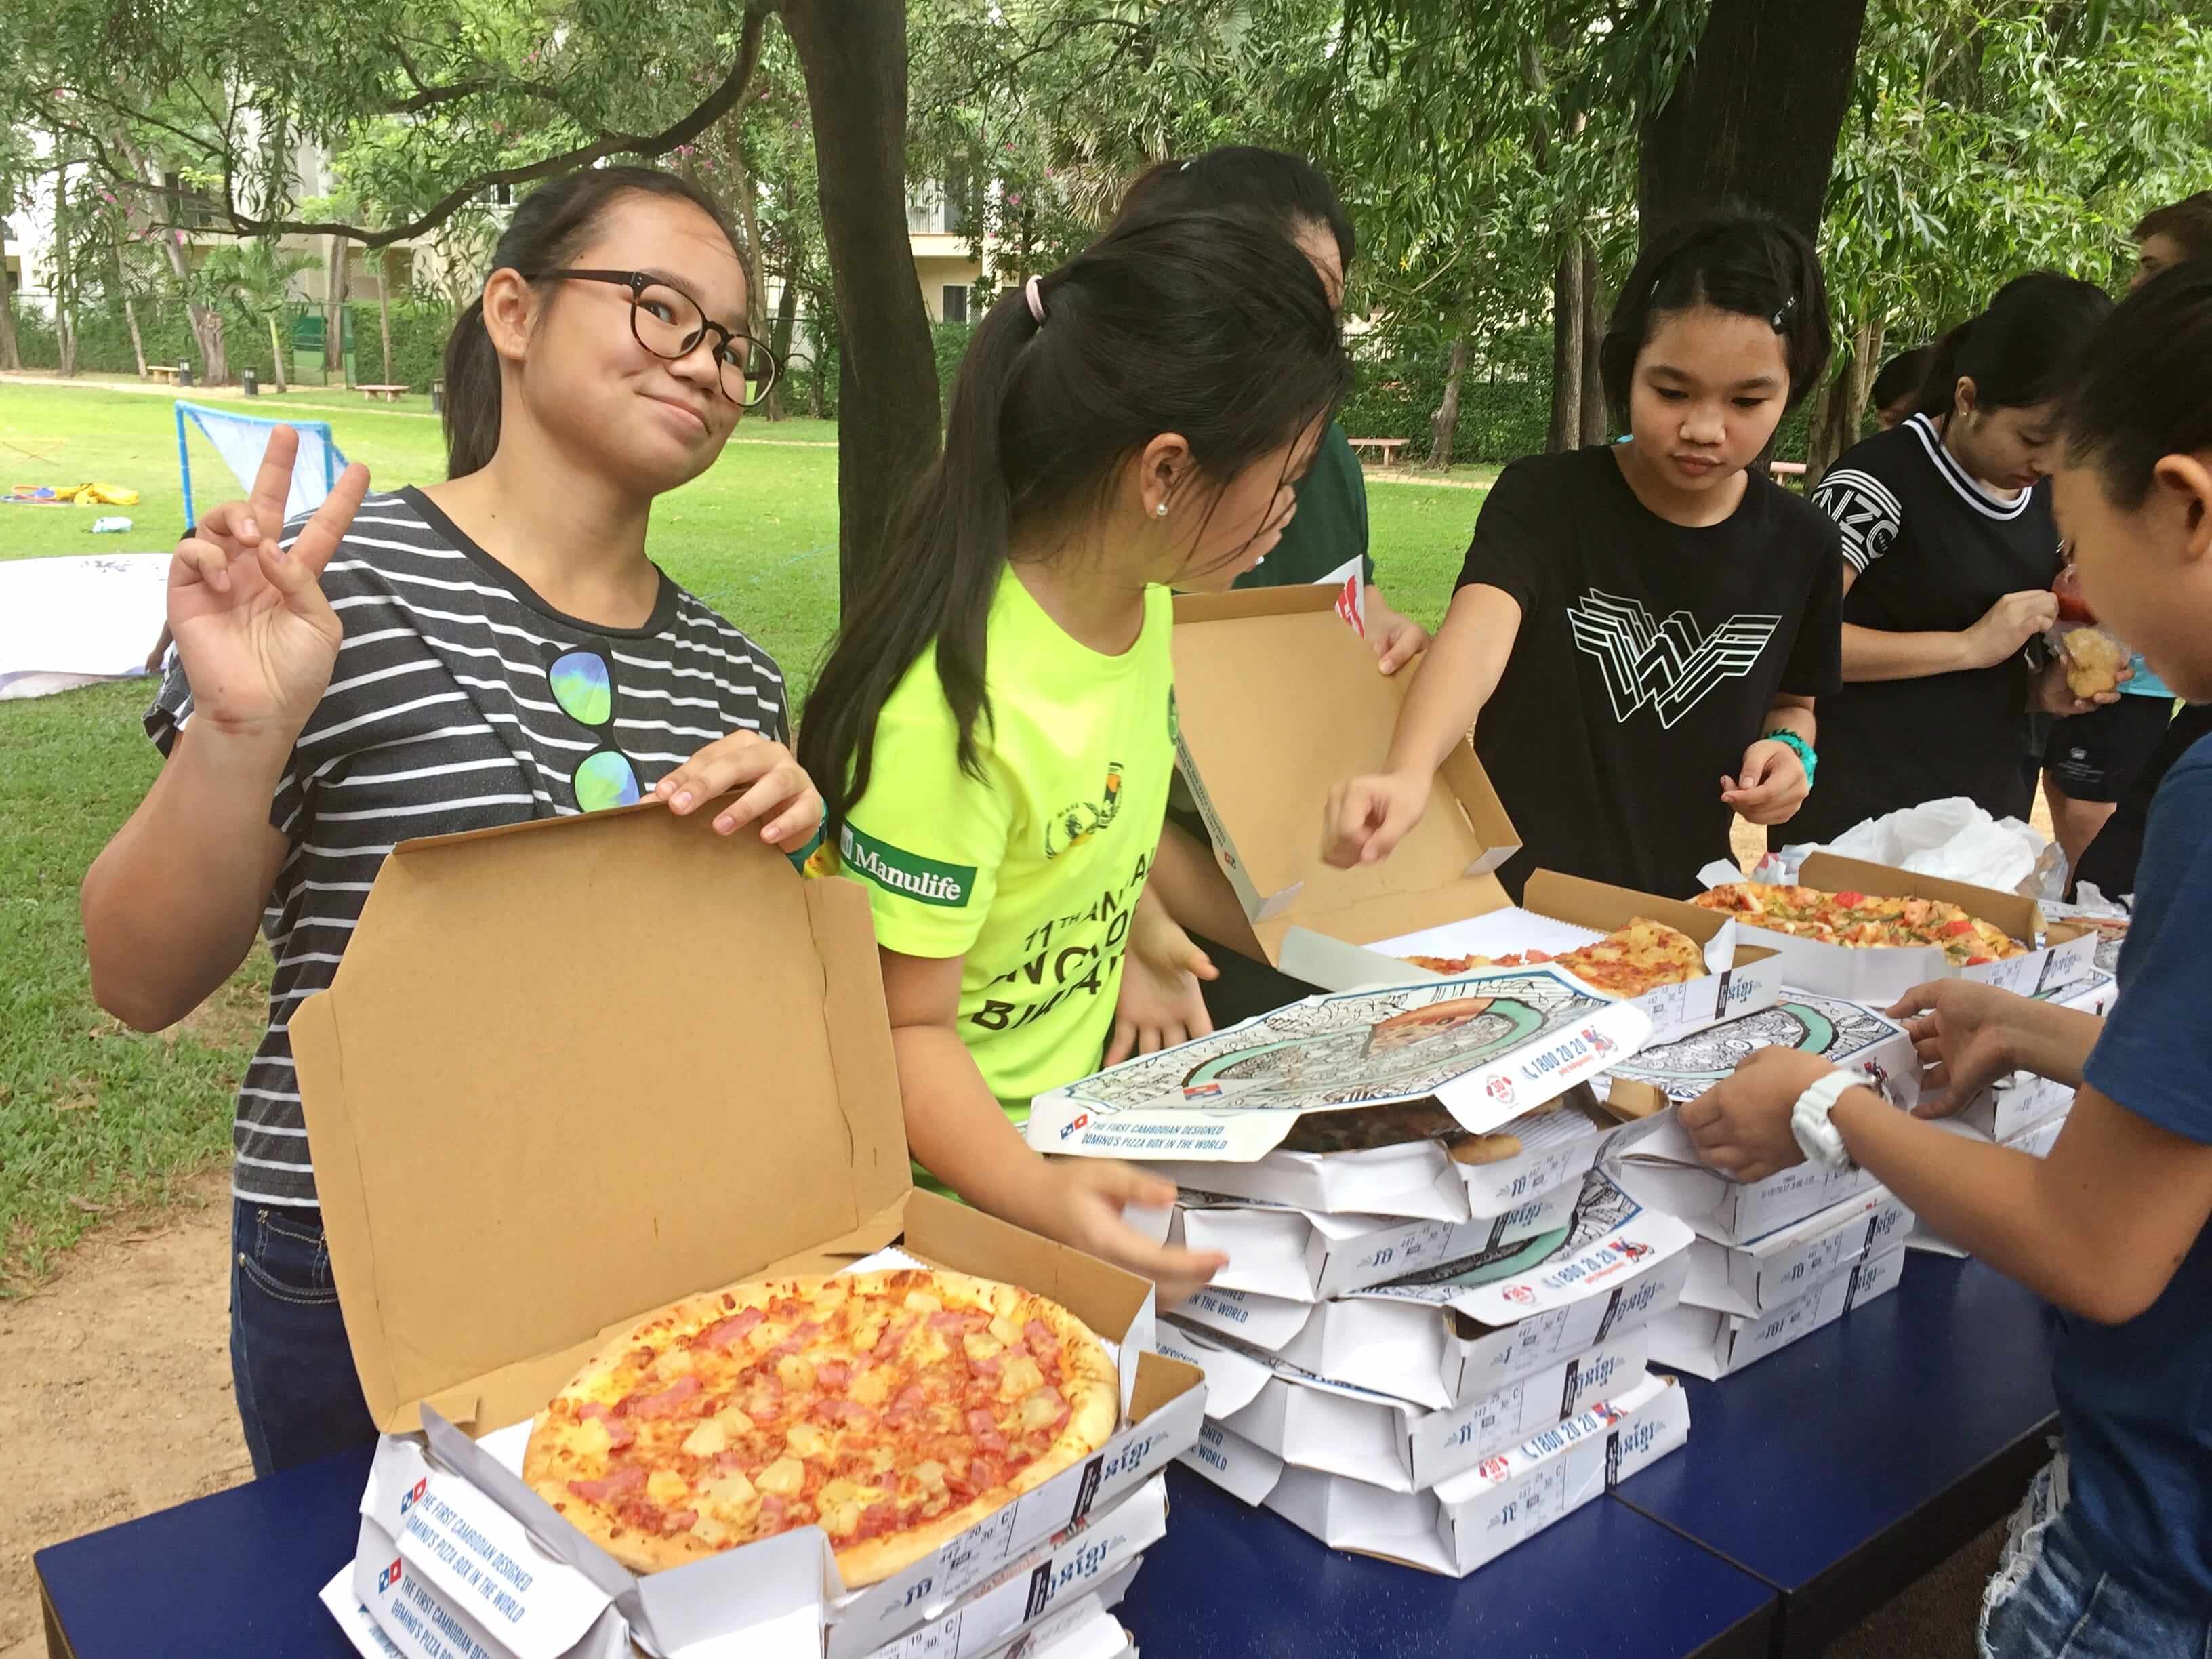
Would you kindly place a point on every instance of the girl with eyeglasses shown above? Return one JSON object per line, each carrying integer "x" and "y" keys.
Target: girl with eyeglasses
{"x": 494, "y": 648}
{"x": 993, "y": 728}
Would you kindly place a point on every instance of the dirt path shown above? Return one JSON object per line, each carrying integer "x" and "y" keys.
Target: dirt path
{"x": 118, "y": 1372}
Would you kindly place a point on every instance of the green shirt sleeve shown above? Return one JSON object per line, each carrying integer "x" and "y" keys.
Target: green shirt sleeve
{"x": 927, "y": 841}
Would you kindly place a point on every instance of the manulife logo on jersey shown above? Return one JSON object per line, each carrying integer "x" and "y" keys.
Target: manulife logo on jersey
{"x": 908, "y": 874}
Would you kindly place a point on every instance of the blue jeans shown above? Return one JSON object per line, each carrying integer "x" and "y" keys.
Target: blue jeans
{"x": 298, "y": 1396}
{"x": 2051, "y": 1600}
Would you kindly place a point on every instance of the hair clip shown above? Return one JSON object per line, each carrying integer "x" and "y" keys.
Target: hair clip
{"x": 1034, "y": 291}
{"x": 1783, "y": 316}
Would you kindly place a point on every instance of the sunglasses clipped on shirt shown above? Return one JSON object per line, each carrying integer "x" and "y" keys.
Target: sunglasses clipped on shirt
{"x": 583, "y": 685}
{"x": 670, "y": 324}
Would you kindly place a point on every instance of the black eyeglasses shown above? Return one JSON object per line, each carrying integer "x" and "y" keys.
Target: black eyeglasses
{"x": 668, "y": 322}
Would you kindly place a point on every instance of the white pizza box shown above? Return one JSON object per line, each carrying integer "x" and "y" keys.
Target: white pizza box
{"x": 1558, "y": 914}
{"x": 1252, "y": 665}
{"x": 1440, "y": 1337}
{"x": 354, "y": 1620}
{"x": 1304, "y": 1256}
{"x": 1420, "y": 1179}
{"x": 2112, "y": 930}
{"x": 1083, "y": 1629}
{"x": 1845, "y": 1033}
{"x": 2036, "y": 1141}
{"x": 1662, "y": 1168}
{"x": 2015, "y": 1104}
{"x": 1749, "y": 1280}
{"x": 571, "y": 1221}
{"x": 1707, "y": 1343}
{"x": 1486, "y": 1047}
{"x": 2092, "y": 993}
{"x": 1091, "y": 1556}
{"x": 1477, "y": 1515}
{"x": 1879, "y": 975}
{"x": 1318, "y": 1425}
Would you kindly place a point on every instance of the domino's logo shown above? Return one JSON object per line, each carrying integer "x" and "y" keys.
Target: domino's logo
{"x": 414, "y": 1494}
{"x": 389, "y": 1577}
{"x": 1081, "y": 1120}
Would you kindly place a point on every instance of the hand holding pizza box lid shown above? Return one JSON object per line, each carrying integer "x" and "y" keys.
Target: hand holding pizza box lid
{"x": 769, "y": 1141}
{"x": 1485, "y": 1047}
{"x": 2042, "y": 956}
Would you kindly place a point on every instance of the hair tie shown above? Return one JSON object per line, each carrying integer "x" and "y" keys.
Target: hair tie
{"x": 1036, "y": 296}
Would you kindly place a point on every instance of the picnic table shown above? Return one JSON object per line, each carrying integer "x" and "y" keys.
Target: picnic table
{"x": 1783, "y": 472}
{"x": 1389, "y": 449}
{"x": 391, "y": 394}
{"x": 164, "y": 373}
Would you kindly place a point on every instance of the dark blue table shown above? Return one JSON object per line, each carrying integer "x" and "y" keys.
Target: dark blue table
{"x": 1604, "y": 1583}
{"x": 1844, "y": 1467}
{"x": 238, "y": 1572}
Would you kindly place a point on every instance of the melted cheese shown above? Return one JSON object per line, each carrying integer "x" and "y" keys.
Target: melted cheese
{"x": 673, "y": 1362}
{"x": 921, "y": 1302}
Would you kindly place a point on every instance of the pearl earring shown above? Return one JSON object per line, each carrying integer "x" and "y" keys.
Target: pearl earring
{"x": 1161, "y": 511}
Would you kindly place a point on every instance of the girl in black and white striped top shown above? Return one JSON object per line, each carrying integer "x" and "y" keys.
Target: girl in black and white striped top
{"x": 496, "y": 648}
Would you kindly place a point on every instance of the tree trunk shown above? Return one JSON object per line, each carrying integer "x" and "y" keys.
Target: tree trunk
{"x": 334, "y": 297}
{"x": 206, "y": 321}
{"x": 1754, "y": 116}
{"x": 1566, "y": 352}
{"x": 854, "y": 56}
{"x": 1594, "y": 424}
{"x": 786, "y": 317}
{"x": 1841, "y": 404}
{"x": 130, "y": 308}
{"x": 11, "y": 357}
{"x": 1443, "y": 425}
{"x": 64, "y": 293}
{"x": 383, "y": 308}
{"x": 277, "y": 354}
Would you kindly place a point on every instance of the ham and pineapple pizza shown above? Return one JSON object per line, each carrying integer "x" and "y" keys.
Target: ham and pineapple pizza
{"x": 1627, "y": 962}
{"x": 894, "y": 1410}
{"x": 1863, "y": 920}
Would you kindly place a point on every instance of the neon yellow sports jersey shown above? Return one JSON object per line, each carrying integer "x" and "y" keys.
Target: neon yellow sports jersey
{"x": 1032, "y": 872}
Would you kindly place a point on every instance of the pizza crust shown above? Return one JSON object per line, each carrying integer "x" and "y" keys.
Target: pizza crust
{"x": 1088, "y": 1383}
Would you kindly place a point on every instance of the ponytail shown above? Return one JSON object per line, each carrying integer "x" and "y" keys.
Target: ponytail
{"x": 2019, "y": 352}
{"x": 1211, "y": 326}
{"x": 550, "y": 226}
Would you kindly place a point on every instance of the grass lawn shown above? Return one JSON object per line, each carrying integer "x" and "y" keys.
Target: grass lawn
{"x": 92, "y": 1117}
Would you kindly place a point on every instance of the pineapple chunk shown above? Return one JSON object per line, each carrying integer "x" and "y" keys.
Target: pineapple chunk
{"x": 806, "y": 1440}
{"x": 707, "y": 1439}
{"x": 841, "y": 1520}
{"x": 666, "y": 1487}
{"x": 794, "y": 1373}
{"x": 731, "y": 1493}
{"x": 712, "y": 1533}
{"x": 673, "y": 1362}
{"x": 765, "y": 1335}
{"x": 1005, "y": 1329}
{"x": 1041, "y": 1408}
{"x": 837, "y": 1492}
{"x": 872, "y": 1388}
{"x": 929, "y": 1348}
{"x": 785, "y": 1478}
{"x": 923, "y": 1302}
{"x": 930, "y": 1475}
{"x": 980, "y": 1346}
{"x": 1020, "y": 1376}
{"x": 868, "y": 1332}
{"x": 591, "y": 1439}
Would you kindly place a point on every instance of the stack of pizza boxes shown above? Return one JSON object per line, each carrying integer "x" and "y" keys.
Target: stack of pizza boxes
{"x": 539, "y": 1111}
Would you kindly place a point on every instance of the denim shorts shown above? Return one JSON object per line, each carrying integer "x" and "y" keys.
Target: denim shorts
{"x": 2050, "y": 1601}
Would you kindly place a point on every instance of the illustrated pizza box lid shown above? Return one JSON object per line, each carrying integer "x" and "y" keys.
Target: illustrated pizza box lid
{"x": 1277, "y": 702}
{"x": 1708, "y": 1343}
{"x": 1486, "y": 1047}
{"x": 542, "y": 1104}
{"x": 1419, "y": 1179}
{"x": 1749, "y": 1280}
{"x": 1477, "y": 1515}
{"x": 1314, "y": 1423}
{"x": 2059, "y": 952}
{"x": 1274, "y": 1249}
{"x": 1463, "y": 1329}
{"x": 1559, "y": 913}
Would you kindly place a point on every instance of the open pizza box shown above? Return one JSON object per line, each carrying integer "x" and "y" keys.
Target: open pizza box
{"x": 2059, "y": 951}
{"x": 1314, "y": 1423}
{"x": 1707, "y": 1343}
{"x": 1477, "y": 1515}
{"x": 1455, "y": 1332}
{"x": 1751, "y": 1279}
{"x": 1303, "y": 1255}
{"x": 1254, "y": 666}
{"x": 542, "y": 1103}
{"x": 1486, "y": 1047}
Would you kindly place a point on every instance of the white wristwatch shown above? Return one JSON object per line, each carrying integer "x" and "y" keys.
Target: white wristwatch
{"x": 1809, "y": 1121}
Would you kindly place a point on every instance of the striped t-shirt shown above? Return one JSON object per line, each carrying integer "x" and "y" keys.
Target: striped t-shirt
{"x": 440, "y": 717}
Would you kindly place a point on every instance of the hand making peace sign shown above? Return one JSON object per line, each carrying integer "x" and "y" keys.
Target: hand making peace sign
{"x": 257, "y": 637}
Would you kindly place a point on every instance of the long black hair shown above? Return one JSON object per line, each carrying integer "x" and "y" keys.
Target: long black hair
{"x": 2019, "y": 352}
{"x": 1211, "y": 326}
{"x": 1243, "y": 178}
{"x": 1902, "y": 376}
{"x": 2139, "y": 394}
{"x": 550, "y": 226}
{"x": 1733, "y": 259}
